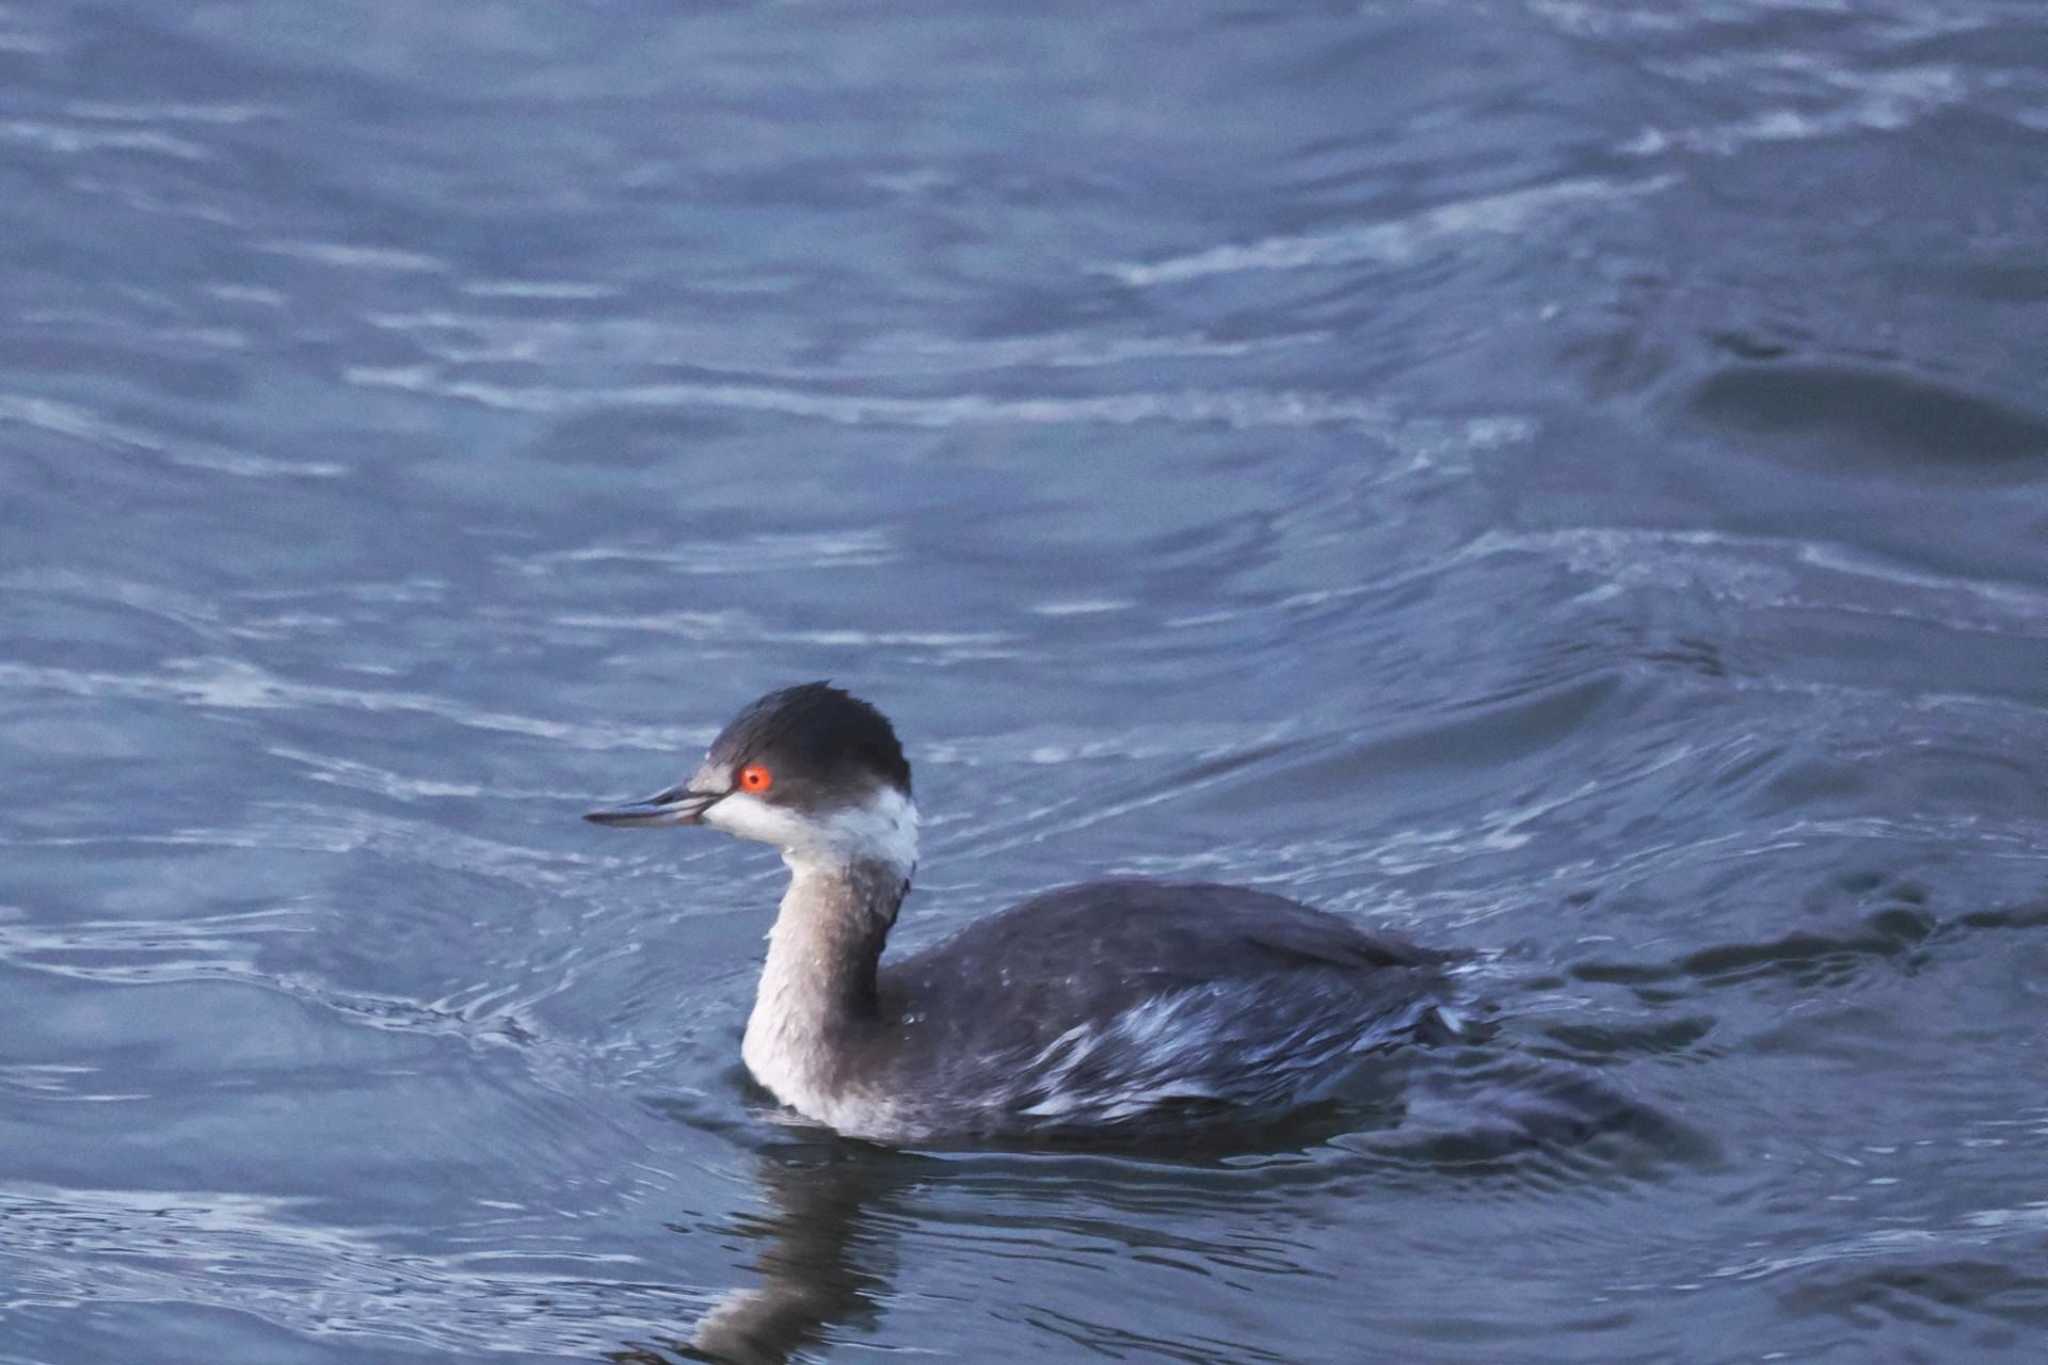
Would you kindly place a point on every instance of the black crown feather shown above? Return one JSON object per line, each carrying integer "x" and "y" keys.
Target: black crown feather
{"x": 818, "y": 730}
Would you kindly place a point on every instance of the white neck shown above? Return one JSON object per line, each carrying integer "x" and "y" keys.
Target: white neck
{"x": 817, "y": 988}
{"x": 848, "y": 871}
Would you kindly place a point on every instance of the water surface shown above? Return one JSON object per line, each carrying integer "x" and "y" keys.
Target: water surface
{"x": 1564, "y": 480}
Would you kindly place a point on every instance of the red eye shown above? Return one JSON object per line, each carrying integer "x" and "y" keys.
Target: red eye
{"x": 755, "y": 778}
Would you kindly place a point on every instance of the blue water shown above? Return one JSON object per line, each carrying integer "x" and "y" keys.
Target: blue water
{"x": 1563, "y": 480}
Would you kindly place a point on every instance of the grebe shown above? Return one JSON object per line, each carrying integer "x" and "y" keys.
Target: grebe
{"x": 1107, "y": 1008}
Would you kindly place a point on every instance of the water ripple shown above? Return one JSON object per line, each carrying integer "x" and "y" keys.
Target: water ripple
{"x": 850, "y": 548}
{"x": 1881, "y": 101}
{"x": 1395, "y": 242}
{"x": 1240, "y": 409}
{"x": 236, "y": 685}
{"x": 1781, "y": 572}
{"x": 77, "y": 141}
{"x": 83, "y": 424}
{"x": 254, "y": 1254}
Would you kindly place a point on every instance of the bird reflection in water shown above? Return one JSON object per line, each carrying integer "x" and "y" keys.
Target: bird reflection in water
{"x": 819, "y": 1263}
{"x": 1483, "y": 1118}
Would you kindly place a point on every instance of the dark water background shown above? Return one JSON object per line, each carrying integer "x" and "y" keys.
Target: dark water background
{"x": 1566, "y": 479}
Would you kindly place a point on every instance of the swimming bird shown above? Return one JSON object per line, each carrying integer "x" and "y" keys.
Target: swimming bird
{"x": 1102, "y": 1009}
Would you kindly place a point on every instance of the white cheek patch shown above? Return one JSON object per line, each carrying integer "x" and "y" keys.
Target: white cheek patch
{"x": 881, "y": 829}
{"x": 749, "y": 817}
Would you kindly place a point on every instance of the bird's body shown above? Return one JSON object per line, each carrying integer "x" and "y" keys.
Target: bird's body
{"x": 1198, "y": 1003}
{"x": 1105, "y": 1008}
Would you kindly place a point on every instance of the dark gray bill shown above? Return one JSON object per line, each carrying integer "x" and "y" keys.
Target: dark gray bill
{"x": 676, "y": 806}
